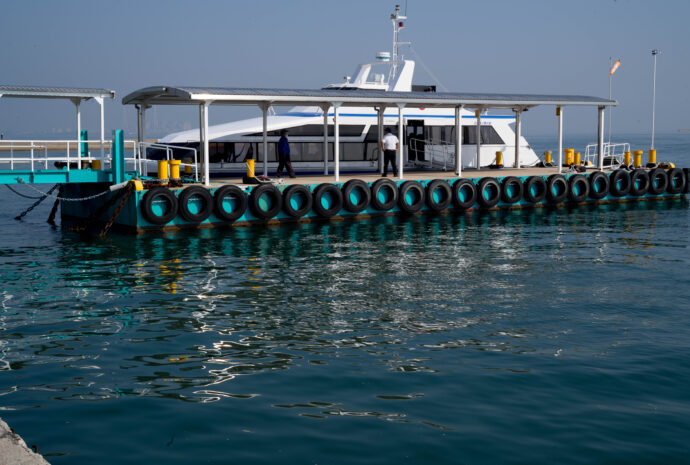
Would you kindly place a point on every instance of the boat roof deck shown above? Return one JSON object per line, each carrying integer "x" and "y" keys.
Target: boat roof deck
{"x": 407, "y": 175}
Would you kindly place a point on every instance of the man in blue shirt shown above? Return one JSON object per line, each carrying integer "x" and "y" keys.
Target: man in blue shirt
{"x": 284, "y": 155}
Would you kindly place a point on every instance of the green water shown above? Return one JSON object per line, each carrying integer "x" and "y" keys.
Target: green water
{"x": 546, "y": 336}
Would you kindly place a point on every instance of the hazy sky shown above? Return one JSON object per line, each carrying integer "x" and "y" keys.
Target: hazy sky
{"x": 531, "y": 46}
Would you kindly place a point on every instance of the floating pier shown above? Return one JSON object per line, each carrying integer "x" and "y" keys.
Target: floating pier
{"x": 114, "y": 189}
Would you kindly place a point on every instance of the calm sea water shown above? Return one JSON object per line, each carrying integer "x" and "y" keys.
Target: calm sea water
{"x": 549, "y": 336}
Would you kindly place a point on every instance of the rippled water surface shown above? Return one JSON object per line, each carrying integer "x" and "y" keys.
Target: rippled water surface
{"x": 547, "y": 336}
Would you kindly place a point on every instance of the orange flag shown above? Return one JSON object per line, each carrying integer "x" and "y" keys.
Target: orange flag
{"x": 614, "y": 67}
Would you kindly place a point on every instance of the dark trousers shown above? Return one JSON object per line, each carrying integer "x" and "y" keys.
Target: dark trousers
{"x": 284, "y": 162}
{"x": 389, "y": 156}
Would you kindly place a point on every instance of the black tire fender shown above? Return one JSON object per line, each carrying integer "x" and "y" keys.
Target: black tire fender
{"x": 183, "y": 204}
{"x": 155, "y": 194}
{"x": 418, "y": 203}
{"x": 556, "y": 188}
{"x": 356, "y": 185}
{"x": 296, "y": 191}
{"x": 223, "y": 193}
{"x": 491, "y": 187}
{"x": 272, "y": 193}
{"x": 639, "y": 183}
{"x": 440, "y": 187}
{"x": 658, "y": 181}
{"x": 384, "y": 185}
{"x": 619, "y": 183}
{"x": 511, "y": 183}
{"x": 464, "y": 189}
{"x": 676, "y": 181}
{"x": 598, "y": 185}
{"x": 578, "y": 188}
{"x": 534, "y": 189}
{"x": 320, "y": 192}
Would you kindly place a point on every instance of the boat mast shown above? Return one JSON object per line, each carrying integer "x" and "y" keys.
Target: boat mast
{"x": 398, "y": 24}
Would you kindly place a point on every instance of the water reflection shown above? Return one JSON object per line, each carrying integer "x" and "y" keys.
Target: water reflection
{"x": 185, "y": 315}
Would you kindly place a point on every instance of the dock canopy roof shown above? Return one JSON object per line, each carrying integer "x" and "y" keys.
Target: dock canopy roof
{"x": 165, "y": 95}
{"x": 54, "y": 92}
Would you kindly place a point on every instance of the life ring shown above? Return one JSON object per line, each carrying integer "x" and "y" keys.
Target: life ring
{"x": 188, "y": 204}
{"x": 438, "y": 195}
{"x": 578, "y": 188}
{"x": 297, "y": 200}
{"x": 229, "y": 196}
{"x": 159, "y": 205}
{"x": 411, "y": 197}
{"x": 356, "y": 195}
{"x": 556, "y": 188}
{"x": 639, "y": 183}
{"x": 464, "y": 194}
{"x": 619, "y": 183}
{"x": 676, "y": 181}
{"x": 328, "y": 200}
{"x": 265, "y": 201}
{"x": 658, "y": 181}
{"x": 384, "y": 194}
{"x": 511, "y": 189}
{"x": 534, "y": 189}
{"x": 488, "y": 192}
{"x": 598, "y": 185}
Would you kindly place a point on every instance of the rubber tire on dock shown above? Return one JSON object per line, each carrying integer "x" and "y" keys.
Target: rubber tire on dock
{"x": 598, "y": 185}
{"x": 676, "y": 181}
{"x": 491, "y": 186}
{"x": 556, "y": 188}
{"x": 578, "y": 188}
{"x": 297, "y": 191}
{"x": 336, "y": 197}
{"x": 376, "y": 189}
{"x": 536, "y": 184}
{"x": 413, "y": 188}
{"x": 511, "y": 183}
{"x": 219, "y": 203}
{"x": 687, "y": 180}
{"x": 658, "y": 181}
{"x": 440, "y": 188}
{"x": 639, "y": 182}
{"x": 619, "y": 183}
{"x": 147, "y": 204}
{"x": 254, "y": 201}
{"x": 183, "y": 204}
{"x": 354, "y": 186}
{"x": 464, "y": 188}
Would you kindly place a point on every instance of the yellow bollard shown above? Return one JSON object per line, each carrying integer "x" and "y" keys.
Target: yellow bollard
{"x": 569, "y": 155}
{"x": 188, "y": 165}
{"x": 250, "y": 167}
{"x": 652, "y": 156}
{"x": 499, "y": 158}
{"x": 547, "y": 156}
{"x": 175, "y": 170}
{"x": 96, "y": 165}
{"x": 578, "y": 156}
{"x": 163, "y": 172}
{"x": 637, "y": 158}
{"x": 626, "y": 158}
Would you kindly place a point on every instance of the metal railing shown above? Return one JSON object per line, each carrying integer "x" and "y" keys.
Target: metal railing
{"x": 33, "y": 152}
{"x": 438, "y": 153}
{"x": 141, "y": 162}
{"x": 613, "y": 153}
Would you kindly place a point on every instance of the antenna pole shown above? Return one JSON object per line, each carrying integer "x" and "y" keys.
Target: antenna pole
{"x": 610, "y": 107}
{"x": 655, "y": 52}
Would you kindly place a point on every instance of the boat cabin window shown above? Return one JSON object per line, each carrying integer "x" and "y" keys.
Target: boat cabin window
{"x": 488, "y": 134}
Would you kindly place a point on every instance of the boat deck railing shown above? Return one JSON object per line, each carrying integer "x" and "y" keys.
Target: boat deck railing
{"x": 613, "y": 153}
{"x": 186, "y": 154}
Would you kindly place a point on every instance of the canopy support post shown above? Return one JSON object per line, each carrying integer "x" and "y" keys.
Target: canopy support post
{"x": 203, "y": 116}
{"x": 401, "y": 138}
{"x": 600, "y": 138}
{"x": 100, "y": 103}
{"x": 264, "y": 117}
{"x": 478, "y": 135}
{"x": 458, "y": 141}
{"x": 559, "y": 114}
{"x": 379, "y": 125}
{"x": 325, "y": 138}
{"x": 336, "y": 140}
{"x": 518, "y": 115}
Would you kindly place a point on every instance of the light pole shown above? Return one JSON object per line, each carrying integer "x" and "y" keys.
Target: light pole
{"x": 655, "y": 52}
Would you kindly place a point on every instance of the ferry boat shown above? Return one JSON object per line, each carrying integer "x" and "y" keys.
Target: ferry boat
{"x": 428, "y": 139}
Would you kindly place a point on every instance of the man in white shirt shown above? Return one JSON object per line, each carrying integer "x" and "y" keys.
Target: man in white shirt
{"x": 390, "y": 145}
